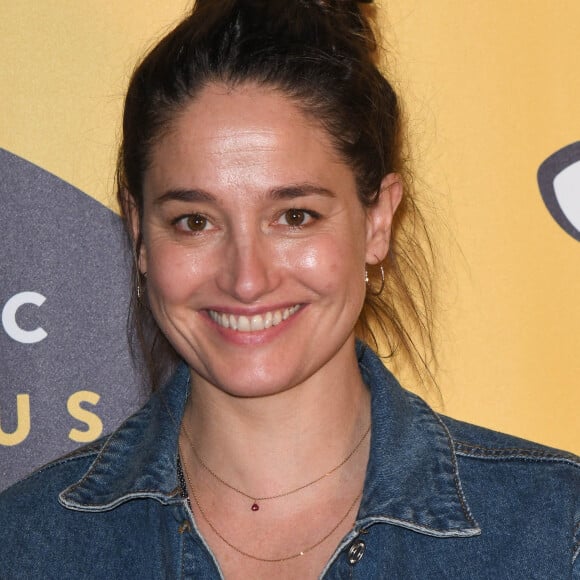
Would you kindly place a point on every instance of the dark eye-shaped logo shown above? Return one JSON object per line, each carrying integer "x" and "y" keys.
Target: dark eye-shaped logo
{"x": 559, "y": 181}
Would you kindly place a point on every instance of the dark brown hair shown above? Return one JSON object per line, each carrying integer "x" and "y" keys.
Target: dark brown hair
{"x": 322, "y": 54}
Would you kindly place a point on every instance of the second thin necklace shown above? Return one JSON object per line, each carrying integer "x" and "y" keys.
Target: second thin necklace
{"x": 255, "y": 500}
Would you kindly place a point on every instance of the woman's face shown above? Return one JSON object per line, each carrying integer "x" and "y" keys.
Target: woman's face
{"x": 255, "y": 242}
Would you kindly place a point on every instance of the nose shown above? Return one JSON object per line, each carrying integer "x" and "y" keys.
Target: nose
{"x": 249, "y": 270}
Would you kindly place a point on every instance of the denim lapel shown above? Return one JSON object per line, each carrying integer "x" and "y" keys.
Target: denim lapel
{"x": 140, "y": 458}
{"x": 412, "y": 477}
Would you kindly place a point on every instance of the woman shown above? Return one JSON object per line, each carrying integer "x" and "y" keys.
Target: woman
{"x": 262, "y": 183}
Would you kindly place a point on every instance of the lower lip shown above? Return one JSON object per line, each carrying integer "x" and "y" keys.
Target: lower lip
{"x": 255, "y": 336}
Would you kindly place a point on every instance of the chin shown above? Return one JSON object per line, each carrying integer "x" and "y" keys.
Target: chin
{"x": 251, "y": 378}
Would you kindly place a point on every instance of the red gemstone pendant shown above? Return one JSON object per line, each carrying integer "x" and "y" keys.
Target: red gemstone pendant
{"x": 255, "y": 507}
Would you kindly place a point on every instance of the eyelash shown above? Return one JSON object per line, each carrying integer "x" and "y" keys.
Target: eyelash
{"x": 312, "y": 215}
{"x": 309, "y": 215}
{"x": 184, "y": 217}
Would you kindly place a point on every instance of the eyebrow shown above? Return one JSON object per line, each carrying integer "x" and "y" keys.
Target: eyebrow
{"x": 299, "y": 190}
{"x": 277, "y": 193}
{"x": 188, "y": 195}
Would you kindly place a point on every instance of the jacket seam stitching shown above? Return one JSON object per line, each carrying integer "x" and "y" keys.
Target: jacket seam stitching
{"x": 58, "y": 462}
{"x": 138, "y": 494}
{"x": 91, "y": 469}
{"x": 456, "y": 480}
{"x": 480, "y": 451}
{"x": 576, "y": 546}
{"x": 414, "y": 525}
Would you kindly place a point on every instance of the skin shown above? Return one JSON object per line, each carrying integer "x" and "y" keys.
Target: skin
{"x": 248, "y": 209}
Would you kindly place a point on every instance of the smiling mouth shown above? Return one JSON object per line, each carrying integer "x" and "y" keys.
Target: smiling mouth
{"x": 255, "y": 322}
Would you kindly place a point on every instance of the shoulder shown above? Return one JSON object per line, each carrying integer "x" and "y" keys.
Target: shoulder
{"x": 35, "y": 498}
{"x": 512, "y": 484}
{"x": 476, "y": 442}
{"x": 507, "y": 474}
{"x": 38, "y": 535}
{"x": 38, "y": 493}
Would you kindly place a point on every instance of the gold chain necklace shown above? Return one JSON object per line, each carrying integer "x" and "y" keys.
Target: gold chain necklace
{"x": 255, "y": 505}
{"x": 252, "y": 556}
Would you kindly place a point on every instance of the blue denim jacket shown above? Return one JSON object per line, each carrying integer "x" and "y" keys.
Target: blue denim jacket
{"x": 442, "y": 499}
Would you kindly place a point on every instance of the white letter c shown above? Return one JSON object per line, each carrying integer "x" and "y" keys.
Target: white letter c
{"x": 9, "y": 318}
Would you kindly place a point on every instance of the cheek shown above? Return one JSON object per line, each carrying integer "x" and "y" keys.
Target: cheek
{"x": 328, "y": 264}
{"x": 174, "y": 272}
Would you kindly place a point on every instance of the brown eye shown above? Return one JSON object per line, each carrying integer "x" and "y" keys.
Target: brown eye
{"x": 295, "y": 217}
{"x": 196, "y": 222}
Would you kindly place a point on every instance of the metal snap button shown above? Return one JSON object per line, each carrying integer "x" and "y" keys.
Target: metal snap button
{"x": 183, "y": 527}
{"x": 356, "y": 552}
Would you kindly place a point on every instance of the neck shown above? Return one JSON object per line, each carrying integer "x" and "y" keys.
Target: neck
{"x": 270, "y": 444}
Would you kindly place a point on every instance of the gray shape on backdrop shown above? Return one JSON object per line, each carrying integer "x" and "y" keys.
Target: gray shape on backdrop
{"x": 66, "y": 246}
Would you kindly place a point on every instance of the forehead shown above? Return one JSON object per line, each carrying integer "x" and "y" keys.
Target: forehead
{"x": 243, "y": 133}
{"x": 242, "y": 105}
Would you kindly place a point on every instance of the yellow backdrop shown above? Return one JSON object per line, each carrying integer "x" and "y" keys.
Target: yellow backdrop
{"x": 492, "y": 89}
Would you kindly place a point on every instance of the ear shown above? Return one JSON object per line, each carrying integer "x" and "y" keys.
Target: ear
{"x": 133, "y": 217}
{"x": 380, "y": 218}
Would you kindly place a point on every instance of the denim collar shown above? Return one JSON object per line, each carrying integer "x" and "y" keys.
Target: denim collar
{"x": 139, "y": 459}
{"x": 412, "y": 477}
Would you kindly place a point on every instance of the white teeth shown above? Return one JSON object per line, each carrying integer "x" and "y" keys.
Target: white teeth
{"x": 255, "y": 322}
{"x": 268, "y": 320}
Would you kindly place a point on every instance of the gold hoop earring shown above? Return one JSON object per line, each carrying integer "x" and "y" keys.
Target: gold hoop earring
{"x": 367, "y": 282}
{"x": 139, "y": 278}
{"x": 140, "y": 288}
